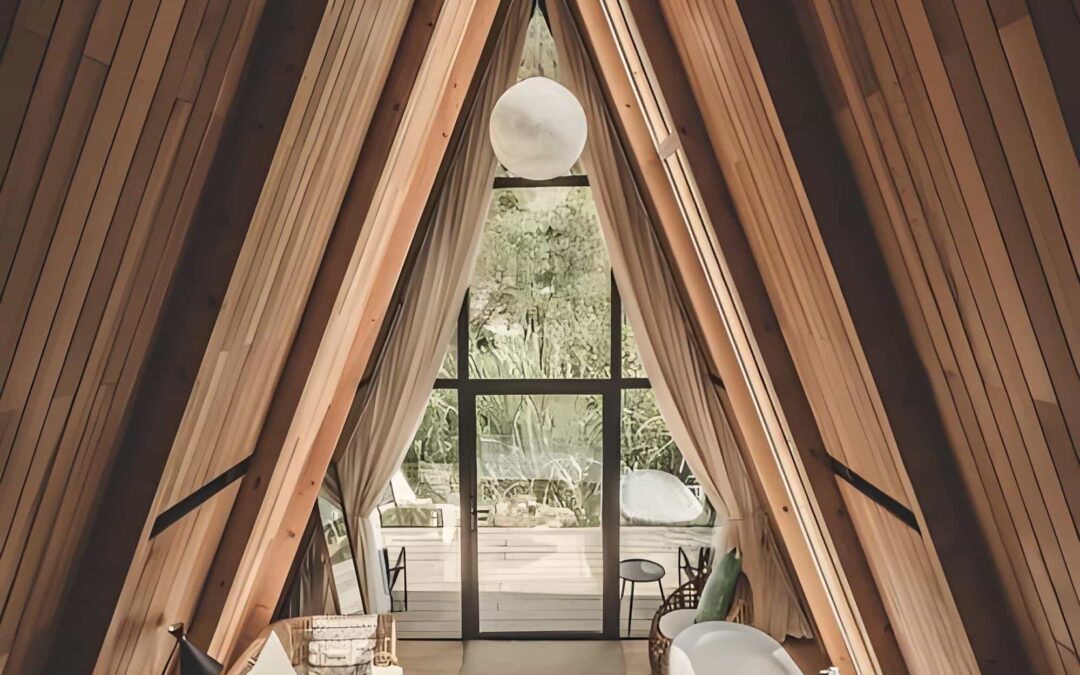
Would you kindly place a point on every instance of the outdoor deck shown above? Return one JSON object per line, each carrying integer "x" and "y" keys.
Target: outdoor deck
{"x": 530, "y": 579}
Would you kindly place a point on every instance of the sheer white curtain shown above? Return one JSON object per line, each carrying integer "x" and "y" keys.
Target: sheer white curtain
{"x": 687, "y": 397}
{"x": 391, "y": 404}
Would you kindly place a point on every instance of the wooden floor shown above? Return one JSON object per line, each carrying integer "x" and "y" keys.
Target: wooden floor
{"x": 424, "y": 657}
{"x": 531, "y": 579}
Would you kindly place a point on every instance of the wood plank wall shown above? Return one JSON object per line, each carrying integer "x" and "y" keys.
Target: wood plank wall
{"x": 345, "y": 72}
{"x": 947, "y": 517}
{"x": 952, "y": 120}
{"x": 376, "y": 225}
{"x": 787, "y": 245}
{"x": 110, "y": 113}
{"x": 665, "y": 136}
{"x": 263, "y": 99}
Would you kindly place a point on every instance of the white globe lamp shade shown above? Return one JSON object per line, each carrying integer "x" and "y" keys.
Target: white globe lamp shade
{"x": 538, "y": 129}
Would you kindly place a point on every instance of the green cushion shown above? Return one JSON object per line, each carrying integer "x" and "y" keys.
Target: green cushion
{"x": 719, "y": 589}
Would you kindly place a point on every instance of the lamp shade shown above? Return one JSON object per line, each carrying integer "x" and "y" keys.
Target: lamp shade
{"x": 538, "y": 129}
{"x": 193, "y": 661}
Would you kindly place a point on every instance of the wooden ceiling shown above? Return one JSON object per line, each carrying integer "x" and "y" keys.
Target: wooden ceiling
{"x": 874, "y": 206}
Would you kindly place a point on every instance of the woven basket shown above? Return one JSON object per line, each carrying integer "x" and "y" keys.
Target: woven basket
{"x": 297, "y": 634}
{"x": 687, "y": 597}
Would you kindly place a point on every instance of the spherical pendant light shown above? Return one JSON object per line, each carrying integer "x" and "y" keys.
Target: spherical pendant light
{"x": 538, "y": 129}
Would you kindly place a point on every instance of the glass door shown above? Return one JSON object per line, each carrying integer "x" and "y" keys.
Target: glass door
{"x": 539, "y": 488}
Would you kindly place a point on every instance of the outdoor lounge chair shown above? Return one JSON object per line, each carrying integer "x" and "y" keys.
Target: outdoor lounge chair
{"x": 425, "y": 512}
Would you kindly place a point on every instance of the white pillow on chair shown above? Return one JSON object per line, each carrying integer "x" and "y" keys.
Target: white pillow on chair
{"x": 272, "y": 659}
{"x": 676, "y": 621}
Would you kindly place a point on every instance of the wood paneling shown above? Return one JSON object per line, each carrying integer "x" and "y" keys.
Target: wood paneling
{"x": 110, "y": 114}
{"x": 947, "y": 567}
{"x": 388, "y": 115}
{"x": 329, "y": 118}
{"x": 651, "y": 98}
{"x": 961, "y": 143}
{"x": 959, "y": 121}
{"x": 839, "y": 322}
{"x": 1057, "y": 24}
{"x": 416, "y": 117}
{"x": 213, "y": 244}
{"x": 391, "y": 213}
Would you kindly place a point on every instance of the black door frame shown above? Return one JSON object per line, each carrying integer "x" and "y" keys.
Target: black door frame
{"x": 610, "y": 390}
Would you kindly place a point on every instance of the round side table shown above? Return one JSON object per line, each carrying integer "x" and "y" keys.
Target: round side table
{"x": 637, "y": 571}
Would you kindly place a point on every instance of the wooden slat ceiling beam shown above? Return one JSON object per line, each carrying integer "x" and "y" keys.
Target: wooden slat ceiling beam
{"x": 420, "y": 109}
{"x": 205, "y": 208}
{"x": 329, "y": 117}
{"x": 111, "y": 116}
{"x": 862, "y": 381}
{"x": 957, "y": 120}
{"x": 374, "y": 154}
{"x": 187, "y": 320}
{"x": 952, "y": 536}
{"x": 728, "y": 298}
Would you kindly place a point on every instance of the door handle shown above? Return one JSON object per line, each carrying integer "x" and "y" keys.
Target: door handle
{"x": 472, "y": 512}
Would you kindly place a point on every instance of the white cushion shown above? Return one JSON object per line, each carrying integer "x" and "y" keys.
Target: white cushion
{"x": 272, "y": 659}
{"x": 719, "y": 647}
{"x": 676, "y": 621}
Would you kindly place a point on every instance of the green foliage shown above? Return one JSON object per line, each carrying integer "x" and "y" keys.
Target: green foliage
{"x": 646, "y": 441}
{"x": 546, "y": 448}
{"x": 540, "y": 307}
{"x": 434, "y": 450}
{"x": 539, "y": 304}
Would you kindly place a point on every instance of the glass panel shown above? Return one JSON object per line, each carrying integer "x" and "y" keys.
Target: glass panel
{"x": 420, "y": 514}
{"x": 631, "y": 357}
{"x": 341, "y": 557}
{"x": 539, "y": 464}
{"x": 448, "y": 369}
{"x": 539, "y": 304}
{"x": 539, "y": 56}
{"x": 665, "y": 517}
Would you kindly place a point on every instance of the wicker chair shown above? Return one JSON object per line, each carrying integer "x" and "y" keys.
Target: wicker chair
{"x": 687, "y": 597}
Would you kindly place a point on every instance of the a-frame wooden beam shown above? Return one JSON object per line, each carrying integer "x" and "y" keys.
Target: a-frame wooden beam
{"x": 431, "y": 80}
{"x": 727, "y": 296}
{"x": 234, "y": 180}
{"x": 390, "y": 110}
{"x": 948, "y": 516}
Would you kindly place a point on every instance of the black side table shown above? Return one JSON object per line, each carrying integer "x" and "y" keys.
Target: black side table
{"x": 639, "y": 570}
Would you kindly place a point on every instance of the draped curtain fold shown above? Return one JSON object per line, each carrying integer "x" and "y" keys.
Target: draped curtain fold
{"x": 688, "y": 399}
{"x": 391, "y": 404}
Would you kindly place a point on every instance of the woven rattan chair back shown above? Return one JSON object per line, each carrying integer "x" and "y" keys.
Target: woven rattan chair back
{"x": 687, "y": 596}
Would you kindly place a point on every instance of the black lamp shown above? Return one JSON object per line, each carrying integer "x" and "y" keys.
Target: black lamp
{"x": 193, "y": 661}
